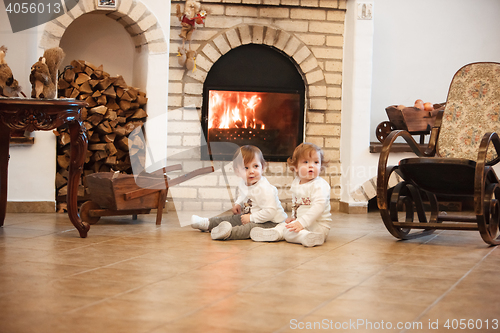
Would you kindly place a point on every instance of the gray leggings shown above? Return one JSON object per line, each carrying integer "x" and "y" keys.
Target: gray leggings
{"x": 239, "y": 231}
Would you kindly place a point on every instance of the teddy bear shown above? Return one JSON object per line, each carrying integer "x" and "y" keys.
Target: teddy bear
{"x": 43, "y": 75}
{"x": 191, "y": 60}
{"x": 247, "y": 207}
{"x": 187, "y": 58}
{"x": 9, "y": 87}
{"x": 191, "y": 16}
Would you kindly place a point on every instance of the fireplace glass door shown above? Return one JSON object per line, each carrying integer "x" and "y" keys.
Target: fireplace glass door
{"x": 267, "y": 120}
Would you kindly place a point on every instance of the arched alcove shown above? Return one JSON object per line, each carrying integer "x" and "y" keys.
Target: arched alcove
{"x": 101, "y": 41}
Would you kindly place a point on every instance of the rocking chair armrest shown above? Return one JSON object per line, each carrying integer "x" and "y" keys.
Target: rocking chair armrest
{"x": 389, "y": 141}
{"x": 384, "y": 171}
{"x": 491, "y": 137}
{"x": 383, "y": 185}
{"x": 481, "y": 165}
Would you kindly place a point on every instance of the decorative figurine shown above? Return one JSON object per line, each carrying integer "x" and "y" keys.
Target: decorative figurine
{"x": 191, "y": 16}
{"x": 9, "y": 87}
{"x": 43, "y": 75}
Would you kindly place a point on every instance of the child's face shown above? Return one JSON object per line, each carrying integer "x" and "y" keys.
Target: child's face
{"x": 252, "y": 172}
{"x": 308, "y": 167}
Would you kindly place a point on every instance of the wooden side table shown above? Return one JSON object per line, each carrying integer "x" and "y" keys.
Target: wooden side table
{"x": 45, "y": 115}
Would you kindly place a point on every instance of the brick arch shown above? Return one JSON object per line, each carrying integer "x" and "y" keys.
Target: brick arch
{"x": 308, "y": 66}
{"x": 135, "y": 17}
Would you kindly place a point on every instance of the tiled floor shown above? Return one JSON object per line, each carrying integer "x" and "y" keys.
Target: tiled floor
{"x": 133, "y": 277}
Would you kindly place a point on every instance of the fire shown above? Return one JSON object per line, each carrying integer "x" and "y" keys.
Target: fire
{"x": 232, "y": 109}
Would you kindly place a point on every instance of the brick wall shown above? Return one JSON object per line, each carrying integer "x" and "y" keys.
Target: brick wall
{"x": 310, "y": 32}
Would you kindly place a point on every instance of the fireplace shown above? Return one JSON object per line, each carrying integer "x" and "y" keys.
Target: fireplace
{"x": 293, "y": 48}
{"x": 254, "y": 95}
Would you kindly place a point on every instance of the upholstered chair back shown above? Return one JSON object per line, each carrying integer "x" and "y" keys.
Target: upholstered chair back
{"x": 472, "y": 109}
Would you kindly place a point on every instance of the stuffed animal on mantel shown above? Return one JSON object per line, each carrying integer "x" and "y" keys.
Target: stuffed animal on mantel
{"x": 9, "y": 87}
{"x": 187, "y": 58}
{"x": 43, "y": 75}
{"x": 191, "y": 16}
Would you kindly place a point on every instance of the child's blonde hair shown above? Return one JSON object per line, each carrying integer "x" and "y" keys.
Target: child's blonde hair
{"x": 248, "y": 152}
{"x": 305, "y": 149}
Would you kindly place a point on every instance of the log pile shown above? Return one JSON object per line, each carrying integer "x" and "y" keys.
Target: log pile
{"x": 114, "y": 110}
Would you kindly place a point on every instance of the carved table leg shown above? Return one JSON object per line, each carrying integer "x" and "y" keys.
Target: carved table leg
{"x": 4, "y": 163}
{"x": 78, "y": 146}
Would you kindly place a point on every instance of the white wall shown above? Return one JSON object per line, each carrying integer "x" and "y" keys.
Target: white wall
{"x": 356, "y": 97}
{"x": 28, "y": 164}
{"x": 419, "y": 45}
{"x": 417, "y": 48}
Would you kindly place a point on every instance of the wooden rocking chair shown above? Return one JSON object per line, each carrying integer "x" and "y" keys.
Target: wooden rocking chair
{"x": 463, "y": 147}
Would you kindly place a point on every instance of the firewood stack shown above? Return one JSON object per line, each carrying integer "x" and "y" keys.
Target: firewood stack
{"x": 114, "y": 110}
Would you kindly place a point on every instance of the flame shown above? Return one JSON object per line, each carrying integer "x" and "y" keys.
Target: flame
{"x": 232, "y": 109}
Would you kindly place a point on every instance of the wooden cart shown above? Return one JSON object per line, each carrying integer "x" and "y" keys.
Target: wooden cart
{"x": 411, "y": 119}
{"x": 121, "y": 194}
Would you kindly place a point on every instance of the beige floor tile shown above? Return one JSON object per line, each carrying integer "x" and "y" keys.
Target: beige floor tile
{"x": 408, "y": 282}
{"x": 44, "y": 301}
{"x": 15, "y": 255}
{"x": 48, "y": 323}
{"x": 456, "y": 308}
{"x": 90, "y": 287}
{"x": 115, "y": 309}
{"x": 188, "y": 325}
{"x": 401, "y": 270}
{"x": 373, "y": 311}
{"x": 177, "y": 290}
{"x": 387, "y": 294}
{"x": 249, "y": 313}
{"x": 132, "y": 277}
{"x": 40, "y": 269}
{"x": 298, "y": 283}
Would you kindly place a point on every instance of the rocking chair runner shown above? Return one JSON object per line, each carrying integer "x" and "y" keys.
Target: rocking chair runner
{"x": 463, "y": 147}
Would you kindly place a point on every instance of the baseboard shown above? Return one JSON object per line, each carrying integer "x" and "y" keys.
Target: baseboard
{"x": 345, "y": 207}
{"x": 31, "y": 206}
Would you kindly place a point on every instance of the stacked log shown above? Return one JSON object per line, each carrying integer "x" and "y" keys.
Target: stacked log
{"x": 114, "y": 110}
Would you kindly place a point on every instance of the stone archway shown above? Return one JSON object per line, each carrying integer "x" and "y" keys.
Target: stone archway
{"x": 290, "y": 45}
{"x": 135, "y": 17}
